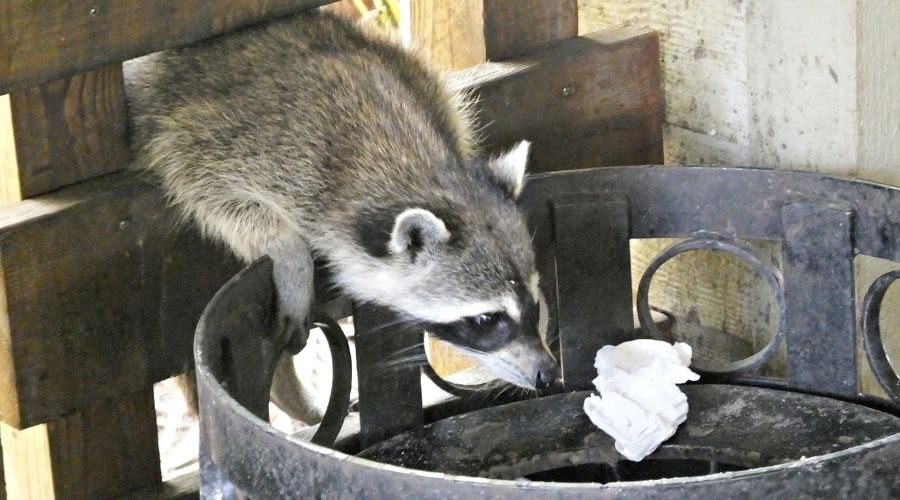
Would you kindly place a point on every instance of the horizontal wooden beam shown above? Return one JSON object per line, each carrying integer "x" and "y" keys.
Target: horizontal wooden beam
{"x": 43, "y": 40}
{"x": 589, "y": 101}
{"x": 100, "y": 293}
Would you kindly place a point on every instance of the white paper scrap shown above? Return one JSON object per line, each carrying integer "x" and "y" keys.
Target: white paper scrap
{"x": 640, "y": 405}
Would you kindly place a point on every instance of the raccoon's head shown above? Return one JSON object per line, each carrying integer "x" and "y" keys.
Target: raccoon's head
{"x": 460, "y": 262}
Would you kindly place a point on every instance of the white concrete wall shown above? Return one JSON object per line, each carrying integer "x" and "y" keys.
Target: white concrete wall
{"x": 800, "y": 84}
{"x": 794, "y": 84}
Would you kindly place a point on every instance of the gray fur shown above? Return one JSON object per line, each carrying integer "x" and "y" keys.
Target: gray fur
{"x": 306, "y": 136}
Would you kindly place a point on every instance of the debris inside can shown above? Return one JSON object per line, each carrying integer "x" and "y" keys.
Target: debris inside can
{"x": 640, "y": 405}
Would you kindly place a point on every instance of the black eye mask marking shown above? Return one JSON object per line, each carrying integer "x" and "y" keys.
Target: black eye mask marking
{"x": 484, "y": 333}
{"x": 483, "y": 322}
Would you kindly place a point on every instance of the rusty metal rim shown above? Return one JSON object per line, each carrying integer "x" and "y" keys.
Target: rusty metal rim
{"x": 708, "y": 241}
{"x": 325, "y": 455}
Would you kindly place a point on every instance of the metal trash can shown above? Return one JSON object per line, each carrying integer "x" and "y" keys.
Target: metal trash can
{"x": 807, "y": 435}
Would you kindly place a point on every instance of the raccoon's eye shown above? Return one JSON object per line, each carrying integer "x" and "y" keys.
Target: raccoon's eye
{"x": 484, "y": 320}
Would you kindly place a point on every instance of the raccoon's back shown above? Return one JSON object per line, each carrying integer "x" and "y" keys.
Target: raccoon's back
{"x": 286, "y": 95}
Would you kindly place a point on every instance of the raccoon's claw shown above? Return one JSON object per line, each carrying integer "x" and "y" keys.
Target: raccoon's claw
{"x": 293, "y": 333}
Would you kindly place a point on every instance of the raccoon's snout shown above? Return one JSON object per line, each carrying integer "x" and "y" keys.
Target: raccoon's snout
{"x": 548, "y": 375}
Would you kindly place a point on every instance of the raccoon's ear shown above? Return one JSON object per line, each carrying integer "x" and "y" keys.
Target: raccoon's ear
{"x": 415, "y": 229}
{"x": 509, "y": 168}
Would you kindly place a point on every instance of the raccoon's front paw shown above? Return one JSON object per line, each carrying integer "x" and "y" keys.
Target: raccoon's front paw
{"x": 292, "y": 332}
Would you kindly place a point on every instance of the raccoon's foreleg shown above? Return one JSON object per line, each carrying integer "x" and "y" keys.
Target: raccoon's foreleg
{"x": 293, "y": 276}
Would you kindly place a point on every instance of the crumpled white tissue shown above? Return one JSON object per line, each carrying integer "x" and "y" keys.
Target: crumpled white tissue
{"x": 640, "y": 405}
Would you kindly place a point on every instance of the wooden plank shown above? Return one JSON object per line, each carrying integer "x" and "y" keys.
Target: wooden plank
{"x": 43, "y": 40}
{"x": 589, "y": 101}
{"x": 9, "y": 177}
{"x": 62, "y": 132}
{"x": 452, "y": 33}
{"x": 107, "y": 450}
{"x": 514, "y": 27}
{"x": 101, "y": 296}
{"x": 462, "y": 33}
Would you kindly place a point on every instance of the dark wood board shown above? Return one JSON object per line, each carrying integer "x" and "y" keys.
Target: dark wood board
{"x": 101, "y": 296}
{"x": 43, "y": 40}
{"x": 594, "y": 100}
{"x": 63, "y": 132}
{"x": 105, "y": 451}
{"x": 462, "y": 33}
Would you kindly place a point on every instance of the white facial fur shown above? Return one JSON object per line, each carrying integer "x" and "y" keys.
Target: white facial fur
{"x": 509, "y": 167}
{"x": 543, "y": 314}
{"x": 430, "y": 228}
{"x": 514, "y": 363}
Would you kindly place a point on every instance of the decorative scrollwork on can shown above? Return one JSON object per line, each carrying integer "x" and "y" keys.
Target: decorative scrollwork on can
{"x": 341, "y": 382}
{"x": 874, "y": 347}
{"x": 712, "y": 241}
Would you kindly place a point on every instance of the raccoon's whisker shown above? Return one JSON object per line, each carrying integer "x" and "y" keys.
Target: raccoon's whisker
{"x": 414, "y": 360}
{"x": 404, "y": 323}
{"x": 417, "y": 345}
{"x": 417, "y": 365}
{"x": 506, "y": 387}
{"x": 413, "y": 351}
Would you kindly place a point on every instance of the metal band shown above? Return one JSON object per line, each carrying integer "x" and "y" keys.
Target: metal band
{"x": 878, "y": 360}
{"x": 706, "y": 240}
{"x": 341, "y": 382}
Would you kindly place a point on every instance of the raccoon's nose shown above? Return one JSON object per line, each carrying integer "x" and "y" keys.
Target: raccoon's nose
{"x": 547, "y": 376}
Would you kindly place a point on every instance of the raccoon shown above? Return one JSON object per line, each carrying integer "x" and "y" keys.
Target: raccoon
{"x": 309, "y": 137}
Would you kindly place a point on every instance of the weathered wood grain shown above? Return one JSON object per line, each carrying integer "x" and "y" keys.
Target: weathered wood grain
{"x": 515, "y": 27}
{"x": 589, "y": 101}
{"x": 108, "y": 450}
{"x": 62, "y": 132}
{"x": 462, "y": 33}
{"x": 100, "y": 296}
{"x": 451, "y": 33}
{"x": 43, "y": 40}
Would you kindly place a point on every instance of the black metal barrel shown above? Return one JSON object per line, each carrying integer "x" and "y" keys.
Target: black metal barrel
{"x": 809, "y": 435}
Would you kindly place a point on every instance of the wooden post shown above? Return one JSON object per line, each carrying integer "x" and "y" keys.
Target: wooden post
{"x": 52, "y": 135}
{"x": 61, "y": 132}
{"x": 106, "y": 451}
{"x": 462, "y": 33}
